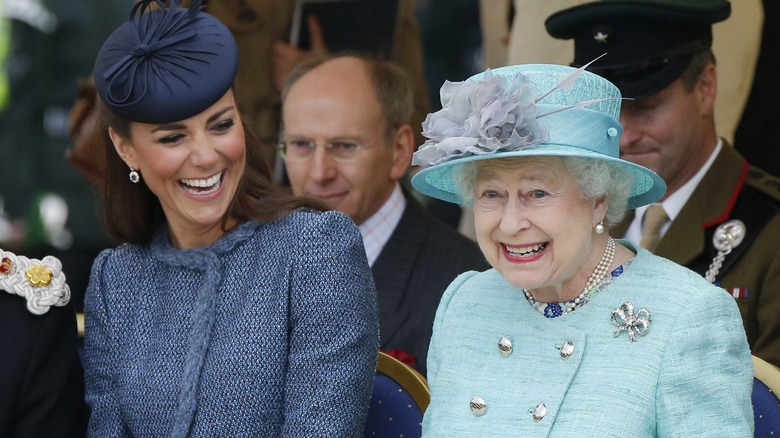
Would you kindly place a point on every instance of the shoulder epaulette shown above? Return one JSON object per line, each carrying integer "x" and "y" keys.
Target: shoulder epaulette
{"x": 40, "y": 282}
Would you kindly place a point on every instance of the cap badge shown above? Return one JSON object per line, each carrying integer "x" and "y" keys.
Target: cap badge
{"x": 601, "y": 37}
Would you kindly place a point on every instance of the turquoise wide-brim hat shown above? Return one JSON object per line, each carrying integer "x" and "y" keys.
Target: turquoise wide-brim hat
{"x": 525, "y": 111}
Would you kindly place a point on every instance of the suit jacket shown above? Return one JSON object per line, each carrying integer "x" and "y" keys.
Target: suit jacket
{"x": 732, "y": 189}
{"x": 690, "y": 375}
{"x": 269, "y": 332}
{"x": 41, "y": 381}
{"x": 411, "y": 273}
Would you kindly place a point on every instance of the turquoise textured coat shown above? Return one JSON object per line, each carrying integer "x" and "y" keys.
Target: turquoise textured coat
{"x": 270, "y": 331}
{"x": 690, "y": 375}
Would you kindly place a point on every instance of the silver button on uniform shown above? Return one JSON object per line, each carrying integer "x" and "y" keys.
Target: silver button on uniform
{"x": 478, "y": 406}
{"x": 505, "y": 347}
{"x": 567, "y": 349}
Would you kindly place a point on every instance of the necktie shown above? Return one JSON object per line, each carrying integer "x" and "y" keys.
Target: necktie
{"x": 655, "y": 218}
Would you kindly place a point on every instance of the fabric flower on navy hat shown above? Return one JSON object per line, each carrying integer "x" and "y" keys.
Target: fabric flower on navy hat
{"x": 481, "y": 117}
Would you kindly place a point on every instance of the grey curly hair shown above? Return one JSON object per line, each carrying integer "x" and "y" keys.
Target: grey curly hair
{"x": 596, "y": 179}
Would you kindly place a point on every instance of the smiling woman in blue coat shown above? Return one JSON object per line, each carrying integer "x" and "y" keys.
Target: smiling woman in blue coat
{"x": 230, "y": 307}
{"x": 572, "y": 333}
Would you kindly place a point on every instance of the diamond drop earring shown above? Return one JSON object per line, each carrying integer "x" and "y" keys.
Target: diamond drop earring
{"x": 134, "y": 176}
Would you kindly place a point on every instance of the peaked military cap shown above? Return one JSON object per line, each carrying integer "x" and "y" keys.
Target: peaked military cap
{"x": 649, "y": 43}
{"x": 166, "y": 64}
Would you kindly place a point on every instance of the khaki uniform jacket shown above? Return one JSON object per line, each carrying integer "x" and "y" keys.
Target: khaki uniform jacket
{"x": 257, "y": 24}
{"x": 732, "y": 189}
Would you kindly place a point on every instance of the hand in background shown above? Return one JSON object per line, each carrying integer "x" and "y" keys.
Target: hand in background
{"x": 285, "y": 57}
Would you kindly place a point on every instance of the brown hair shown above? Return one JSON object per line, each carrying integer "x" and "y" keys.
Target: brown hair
{"x": 392, "y": 86}
{"x": 699, "y": 61}
{"x": 132, "y": 213}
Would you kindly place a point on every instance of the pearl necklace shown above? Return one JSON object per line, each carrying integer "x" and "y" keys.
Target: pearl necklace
{"x": 552, "y": 310}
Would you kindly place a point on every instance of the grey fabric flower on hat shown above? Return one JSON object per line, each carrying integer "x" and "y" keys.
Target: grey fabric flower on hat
{"x": 481, "y": 117}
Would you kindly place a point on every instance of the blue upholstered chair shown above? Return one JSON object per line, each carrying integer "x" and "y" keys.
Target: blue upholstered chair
{"x": 398, "y": 401}
{"x": 766, "y": 398}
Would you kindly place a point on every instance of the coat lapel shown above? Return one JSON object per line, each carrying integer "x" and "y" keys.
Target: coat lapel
{"x": 710, "y": 204}
{"x": 394, "y": 267}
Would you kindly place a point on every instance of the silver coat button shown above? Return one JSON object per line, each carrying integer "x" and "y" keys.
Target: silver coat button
{"x": 567, "y": 349}
{"x": 478, "y": 406}
{"x": 539, "y": 412}
{"x": 505, "y": 347}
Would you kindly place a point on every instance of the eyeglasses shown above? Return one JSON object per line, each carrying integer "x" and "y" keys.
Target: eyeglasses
{"x": 302, "y": 150}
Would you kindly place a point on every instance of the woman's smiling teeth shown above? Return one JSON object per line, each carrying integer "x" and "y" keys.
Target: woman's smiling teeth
{"x": 202, "y": 186}
{"x": 526, "y": 251}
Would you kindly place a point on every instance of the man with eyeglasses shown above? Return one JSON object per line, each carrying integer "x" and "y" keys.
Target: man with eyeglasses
{"x": 346, "y": 140}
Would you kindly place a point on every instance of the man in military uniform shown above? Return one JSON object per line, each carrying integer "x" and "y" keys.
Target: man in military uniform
{"x": 720, "y": 216}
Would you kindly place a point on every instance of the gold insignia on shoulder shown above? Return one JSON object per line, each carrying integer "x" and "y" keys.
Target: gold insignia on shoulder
{"x": 38, "y": 275}
{"x": 40, "y": 282}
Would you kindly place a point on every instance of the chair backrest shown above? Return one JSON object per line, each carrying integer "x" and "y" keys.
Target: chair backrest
{"x": 398, "y": 401}
{"x": 766, "y": 398}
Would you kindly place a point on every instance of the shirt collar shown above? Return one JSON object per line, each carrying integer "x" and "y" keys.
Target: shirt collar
{"x": 676, "y": 201}
{"x": 378, "y": 228}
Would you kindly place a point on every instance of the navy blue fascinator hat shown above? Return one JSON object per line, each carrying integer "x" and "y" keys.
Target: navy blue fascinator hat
{"x": 165, "y": 64}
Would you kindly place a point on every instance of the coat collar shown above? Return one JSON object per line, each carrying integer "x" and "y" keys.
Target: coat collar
{"x": 393, "y": 268}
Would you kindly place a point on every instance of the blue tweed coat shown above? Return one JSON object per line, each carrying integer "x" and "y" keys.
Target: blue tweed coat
{"x": 270, "y": 331}
{"x": 689, "y": 376}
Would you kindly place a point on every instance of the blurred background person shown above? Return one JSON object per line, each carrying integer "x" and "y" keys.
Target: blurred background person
{"x": 756, "y": 123}
{"x": 450, "y": 55}
{"x": 262, "y": 31}
{"x": 46, "y": 206}
{"x": 347, "y": 141}
{"x": 568, "y": 318}
{"x": 232, "y": 307}
{"x": 720, "y": 216}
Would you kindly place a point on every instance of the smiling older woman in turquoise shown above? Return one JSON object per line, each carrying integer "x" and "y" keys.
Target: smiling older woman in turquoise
{"x": 572, "y": 333}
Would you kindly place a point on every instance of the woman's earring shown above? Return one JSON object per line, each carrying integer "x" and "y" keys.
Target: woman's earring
{"x": 599, "y": 228}
{"x": 134, "y": 176}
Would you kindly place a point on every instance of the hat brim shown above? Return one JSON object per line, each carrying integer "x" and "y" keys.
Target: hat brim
{"x": 437, "y": 182}
{"x": 645, "y": 83}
